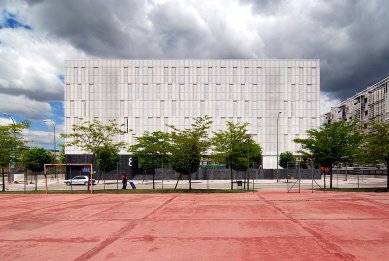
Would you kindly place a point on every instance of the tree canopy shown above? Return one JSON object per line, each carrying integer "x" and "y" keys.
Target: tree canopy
{"x": 285, "y": 158}
{"x": 333, "y": 143}
{"x": 152, "y": 150}
{"x": 234, "y": 148}
{"x": 188, "y": 146}
{"x": 11, "y": 144}
{"x": 107, "y": 158}
{"x": 91, "y": 135}
{"x": 35, "y": 158}
{"x": 377, "y": 144}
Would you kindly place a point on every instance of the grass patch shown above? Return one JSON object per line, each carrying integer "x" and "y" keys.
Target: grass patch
{"x": 131, "y": 191}
{"x": 356, "y": 189}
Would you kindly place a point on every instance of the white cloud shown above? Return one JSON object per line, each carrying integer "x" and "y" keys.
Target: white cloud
{"x": 327, "y": 102}
{"x": 5, "y": 121}
{"x": 22, "y": 105}
{"x": 30, "y": 70}
{"x": 39, "y": 138}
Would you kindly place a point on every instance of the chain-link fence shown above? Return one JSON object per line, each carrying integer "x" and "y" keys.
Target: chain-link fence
{"x": 291, "y": 179}
{"x": 358, "y": 177}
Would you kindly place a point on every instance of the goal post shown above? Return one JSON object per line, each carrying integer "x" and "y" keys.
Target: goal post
{"x": 86, "y": 167}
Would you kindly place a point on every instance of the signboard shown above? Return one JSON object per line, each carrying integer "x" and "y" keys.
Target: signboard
{"x": 86, "y": 169}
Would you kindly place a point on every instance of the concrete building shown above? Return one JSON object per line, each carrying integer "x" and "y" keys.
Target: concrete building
{"x": 146, "y": 95}
{"x": 371, "y": 104}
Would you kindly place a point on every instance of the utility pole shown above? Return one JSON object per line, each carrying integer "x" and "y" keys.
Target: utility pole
{"x": 13, "y": 164}
{"x": 278, "y": 117}
{"x": 55, "y": 147}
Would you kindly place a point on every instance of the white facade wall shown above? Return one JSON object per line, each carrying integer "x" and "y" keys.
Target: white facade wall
{"x": 146, "y": 95}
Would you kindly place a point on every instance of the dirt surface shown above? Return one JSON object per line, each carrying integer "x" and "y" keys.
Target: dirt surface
{"x": 251, "y": 226}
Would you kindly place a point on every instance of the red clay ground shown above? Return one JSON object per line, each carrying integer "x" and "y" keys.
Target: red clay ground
{"x": 251, "y": 226}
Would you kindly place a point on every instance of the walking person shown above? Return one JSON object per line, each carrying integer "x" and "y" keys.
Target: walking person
{"x": 124, "y": 181}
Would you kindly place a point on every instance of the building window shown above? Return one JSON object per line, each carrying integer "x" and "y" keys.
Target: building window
{"x": 125, "y": 75}
{"x": 235, "y": 74}
{"x": 198, "y": 74}
{"x": 165, "y": 75}
{"x": 210, "y": 75}
{"x": 173, "y": 76}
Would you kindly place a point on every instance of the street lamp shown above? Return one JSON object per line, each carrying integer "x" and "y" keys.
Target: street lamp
{"x": 55, "y": 146}
{"x": 14, "y": 162}
{"x": 278, "y": 117}
{"x": 248, "y": 135}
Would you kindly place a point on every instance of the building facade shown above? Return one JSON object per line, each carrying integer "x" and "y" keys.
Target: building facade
{"x": 147, "y": 95}
{"x": 371, "y": 104}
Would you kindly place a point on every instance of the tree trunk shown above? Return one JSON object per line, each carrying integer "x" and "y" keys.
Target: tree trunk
{"x": 244, "y": 181}
{"x": 91, "y": 174}
{"x": 324, "y": 172}
{"x": 331, "y": 176}
{"x": 2, "y": 171}
{"x": 154, "y": 180}
{"x": 387, "y": 175}
{"x": 248, "y": 179}
{"x": 46, "y": 183}
{"x": 144, "y": 175}
{"x": 190, "y": 181}
{"x": 104, "y": 178}
{"x": 232, "y": 179}
{"x": 179, "y": 176}
{"x": 36, "y": 181}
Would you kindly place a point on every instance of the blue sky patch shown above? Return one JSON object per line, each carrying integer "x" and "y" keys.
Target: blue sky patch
{"x": 9, "y": 21}
{"x": 61, "y": 78}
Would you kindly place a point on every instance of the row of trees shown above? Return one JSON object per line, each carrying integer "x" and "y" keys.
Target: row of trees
{"x": 181, "y": 149}
{"x": 334, "y": 143}
{"x": 351, "y": 142}
{"x": 184, "y": 149}
{"x": 13, "y": 149}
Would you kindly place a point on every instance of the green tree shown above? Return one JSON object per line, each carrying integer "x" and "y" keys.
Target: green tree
{"x": 377, "y": 145}
{"x": 90, "y": 136}
{"x": 285, "y": 158}
{"x": 61, "y": 156}
{"x": 188, "y": 146}
{"x": 333, "y": 143}
{"x": 107, "y": 159}
{"x": 235, "y": 149}
{"x": 34, "y": 159}
{"x": 151, "y": 150}
{"x": 11, "y": 145}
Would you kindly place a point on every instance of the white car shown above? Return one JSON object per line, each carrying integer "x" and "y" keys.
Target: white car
{"x": 79, "y": 180}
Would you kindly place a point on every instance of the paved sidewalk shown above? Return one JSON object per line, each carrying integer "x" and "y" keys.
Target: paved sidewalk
{"x": 259, "y": 184}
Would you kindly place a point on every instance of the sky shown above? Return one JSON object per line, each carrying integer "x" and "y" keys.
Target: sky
{"x": 350, "y": 37}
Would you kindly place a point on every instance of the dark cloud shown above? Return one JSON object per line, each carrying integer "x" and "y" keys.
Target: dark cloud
{"x": 100, "y": 28}
{"x": 349, "y": 37}
{"x": 264, "y": 7}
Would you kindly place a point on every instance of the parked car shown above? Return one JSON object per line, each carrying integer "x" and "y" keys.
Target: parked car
{"x": 79, "y": 180}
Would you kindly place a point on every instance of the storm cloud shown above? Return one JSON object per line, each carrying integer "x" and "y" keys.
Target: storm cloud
{"x": 349, "y": 37}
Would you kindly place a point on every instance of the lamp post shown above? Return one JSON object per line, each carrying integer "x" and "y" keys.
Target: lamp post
{"x": 13, "y": 165}
{"x": 248, "y": 136}
{"x": 55, "y": 146}
{"x": 278, "y": 117}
